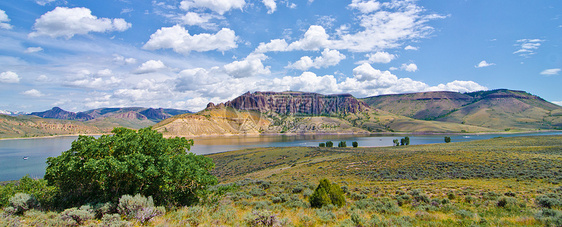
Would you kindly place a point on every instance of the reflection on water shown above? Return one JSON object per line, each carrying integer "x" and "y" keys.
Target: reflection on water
{"x": 13, "y": 165}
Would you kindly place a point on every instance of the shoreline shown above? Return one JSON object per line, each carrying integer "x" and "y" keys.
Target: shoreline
{"x": 54, "y": 136}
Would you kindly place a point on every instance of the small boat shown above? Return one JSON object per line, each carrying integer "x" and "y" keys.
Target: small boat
{"x": 25, "y": 157}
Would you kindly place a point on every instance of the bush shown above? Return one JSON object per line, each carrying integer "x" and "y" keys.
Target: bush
{"x": 327, "y": 193}
{"x": 261, "y": 218}
{"x": 77, "y": 215}
{"x": 22, "y": 202}
{"x": 547, "y": 201}
{"x": 322, "y": 145}
{"x": 37, "y": 188}
{"x": 329, "y": 144}
{"x": 112, "y": 220}
{"x": 139, "y": 207}
{"x": 342, "y": 144}
{"x": 447, "y": 139}
{"x": 355, "y": 144}
{"x": 130, "y": 162}
{"x": 507, "y": 202}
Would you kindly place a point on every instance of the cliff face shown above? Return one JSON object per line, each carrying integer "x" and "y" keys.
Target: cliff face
{"x": 297, "y": 103}
{"x": 58, "y": 113}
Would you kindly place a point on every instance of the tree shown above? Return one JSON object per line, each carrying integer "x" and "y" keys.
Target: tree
{"x": 329, "y": 144}
{"x": 327, "y": 193}
{"x": 402, "y": 142}
{"x": 355, "y": 144}
{"x": 322, "y": 145}
{"x": 395, "y": 142}
{"x": 130, "y": 162}
{"x": 447, "y": 139}
{"x": 342, "y": 144}
{"x": 407, "y": 140}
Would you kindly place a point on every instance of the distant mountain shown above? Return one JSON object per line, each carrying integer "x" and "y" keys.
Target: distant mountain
{"x": 58, "y": 113}
{"x": 137, "y": 113}
{"x": 12, "y": 113}
{"x": 496, "y": 109}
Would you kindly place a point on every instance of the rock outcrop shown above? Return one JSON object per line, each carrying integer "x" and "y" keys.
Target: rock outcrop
{"x": 296, "y": 103}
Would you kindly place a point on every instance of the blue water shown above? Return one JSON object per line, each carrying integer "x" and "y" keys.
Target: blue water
{"x": 13, "y": 166}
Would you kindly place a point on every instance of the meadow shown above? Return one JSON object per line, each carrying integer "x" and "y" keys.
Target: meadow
{"x": 497, "y": 182}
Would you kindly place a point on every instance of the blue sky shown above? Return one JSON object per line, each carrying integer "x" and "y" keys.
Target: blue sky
{"x": 82, "y": 55}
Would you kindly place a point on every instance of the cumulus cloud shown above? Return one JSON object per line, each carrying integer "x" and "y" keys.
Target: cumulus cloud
{"x": 179, "y": 39}
{"x": 122, "y": 60}
{"x": 409, "y": 67}
{"x": 250, "y": 66}
{"x": 550, "y": 72}
{"x": 30, "y": 50}
{"x": 379, "y": 57}
{"x": 68, "y": 22}
{"x": 9, "y": 77}
{"x": 200, "y": 19}
{"x": 307, "y": 81}
{"x": 381, "y": 29}
{"x": 410, "y": 48}
{"x": 105, "y": 72}
{"x": 271, "y": 5}
{"x": 33, "y": 93}
{"x": 4, "y": 20}
{"x": 365, "y": 6}
{"x": 483, "y": 64}
{"x": 95, "y": 83}
{"x": 150, "y": 66}
{"x": 218, "y": 6}
{"x": 527, "y": 47}
{"x": 459, "y": 86}
{"x": 328, "y": 58}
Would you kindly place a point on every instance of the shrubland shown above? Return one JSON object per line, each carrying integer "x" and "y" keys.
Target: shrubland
{"x": 496, "y": 182}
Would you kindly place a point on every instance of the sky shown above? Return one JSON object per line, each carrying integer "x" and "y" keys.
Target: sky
{"x": 183, "y": 54}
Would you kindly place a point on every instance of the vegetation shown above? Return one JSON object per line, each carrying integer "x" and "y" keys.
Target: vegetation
{"x": 496, "y": 182}
{"x": 355, "y": 144}
{"x": 129, "y": 162}
{"x": 447, "y": 139}
{"x": 342, "y": 144}
{"x": 329, "y": 144}
{"x": 327, "y": 194}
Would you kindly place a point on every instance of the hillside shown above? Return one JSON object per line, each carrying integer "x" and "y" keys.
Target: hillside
{"x": 298, "y": 113}
{"x": 32, "y": 126}
{"x": 496, "y": 109}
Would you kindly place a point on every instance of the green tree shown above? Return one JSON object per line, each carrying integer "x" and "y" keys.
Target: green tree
{"x": 395, "y": 142}
{"x": 130, "y": 162}
{"x": 402, "y": 142}
{"x": 355, "y": 144}
{"x": 329, "y": 144}
{"x": 447, "y": 139}
{"x": 322, "y": 145}
{"x": 327, "y": 193}
{"x": 407, "y": 140}
{"x": 342, "y": 144}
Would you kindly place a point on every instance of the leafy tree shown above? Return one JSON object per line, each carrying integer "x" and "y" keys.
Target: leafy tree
{"x": 329, "y": 144}
{"x": 407, "y": 140}
{"x": 327, "y": 193}
{"x": 402, "y": 142}
{"x": 322, "y": 145}
{"x": 355, "y": 144}
{"x": 130, "y": 162}
{"x": 342, "y": 144}
{"x": 395, "y": 142}
{"x": 447, "y": 139}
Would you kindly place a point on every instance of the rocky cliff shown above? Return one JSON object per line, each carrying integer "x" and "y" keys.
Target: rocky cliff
{"x": 296, "y": 103}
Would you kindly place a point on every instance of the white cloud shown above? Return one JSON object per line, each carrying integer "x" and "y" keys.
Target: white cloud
{"x": 459, "y": 86}
{"x": 271, "y": 5}
{"x": 42, "y": 78}
{"x": 105, "y": 72}
{"x": 122, "y": 60}
{"x": 557, "y": 103}
{"x": 43, "y": 2}
{"x": 274, "y": 45}
{"x": 9, "y": 77}
{"x": 483, "y": 64}
{"x": 200, "y": 19}
{"x": 365, "y": 6}
{"x": 95, "y": 83}
{"x": 30, "y": 50}
{"x": 33, "y": 93}
{"x": 366, "y": 72}
{"x": 379, "y": 57}
{"x": 307, "y": 81}
{"x": 409, "y": 67}
{"x": 328, "y": 58}
{"x": 179, "y": 39}
{"x": 527, "y": 47}
{"x": 550, "y": 72}
{"x": 315, "y": 38}
{"x": 218, "y": 6}
{"x": 68, "y": 22}
{"x": 4, "y": 20}
{"x": 410, "y": 48}
{"x": 250, "y": 66}
{"x": 150, "y": 66}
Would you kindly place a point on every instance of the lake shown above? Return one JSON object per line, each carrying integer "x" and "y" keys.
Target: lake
{"x": 13, "y": 166}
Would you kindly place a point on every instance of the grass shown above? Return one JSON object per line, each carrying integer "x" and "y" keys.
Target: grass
{"x": 494, "y": 182}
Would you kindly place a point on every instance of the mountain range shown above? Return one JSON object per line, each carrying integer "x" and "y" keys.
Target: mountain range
{"x": 426, "y": 112}
{"x": 311, "y": 113}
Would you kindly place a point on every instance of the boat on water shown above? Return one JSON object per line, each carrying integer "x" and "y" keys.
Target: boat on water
{"x": 25, "y": 157}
